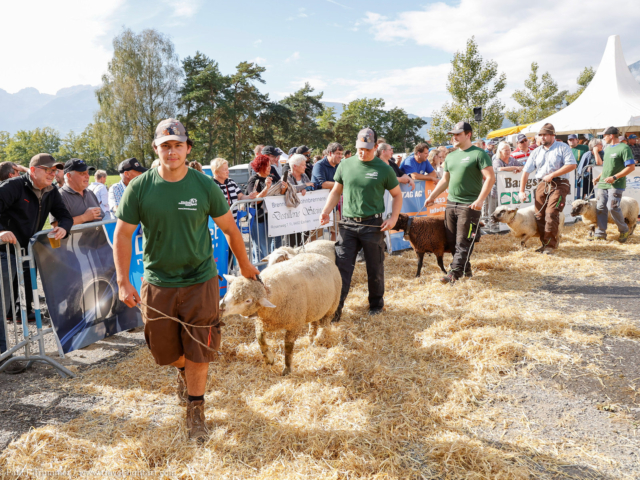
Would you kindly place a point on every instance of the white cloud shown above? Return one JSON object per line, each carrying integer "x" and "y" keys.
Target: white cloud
{"x": 340, "y": 5}
{"x": 260, "y": 61}
{"x": 257, "y": 42}
{"x": 316, "y": 82}
{"x": 295, "y": 56}
{"x": 49, "y": 50}
{"x": 184, "y": 8}
{"x": 563, "y": 37}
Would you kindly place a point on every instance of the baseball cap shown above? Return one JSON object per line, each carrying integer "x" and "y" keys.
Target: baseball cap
{"x": 633, "y": 136}
{"x": 292, "y": 150}
{"x": 491, "y": 142}
{"x": 280, "y": 152}
{"x": 45, "y": 160}
{"x": 459, "y": 128}
{"x": 170, "y": 129}
{"x": 76, "y": 165}
{"x": 573, "y": 136}
{"x": 303, "y": 149}
{"x": 131, "y": 164}
{"x": 521, "y": 137}
{"x": 269, "y": 150}
{"x": 366, "y": 138}
{"x": 610, "y": 131}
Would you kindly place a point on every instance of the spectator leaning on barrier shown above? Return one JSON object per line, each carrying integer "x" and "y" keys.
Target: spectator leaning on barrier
{"x": 10, "y": 170}
{"x": 553, "y": 163}
{"x": 230, "y": 189}
{"x": 503, "y": 163}
{"x": 173, "y": 204}
{"x": 610, "y": 185}
{"x": 82, "y": 203}
{"x": 577, "y": 149}
{"x": 25, "y": 202}
{"x": 585, "y": 167}
{"x": 416, "y": 165}
{"x": 464, "y": 173}
{"x": 491, "y": 147}
{"x": 363, "y": 180}
{"x": 436, "y": 159}
{"x": 274, "y": 158}
{"x": 635, "y": 147}
{"x": 128, "y": 170}
{"x": 522, "y": 153}
{"x": 385, "y": 153}
{"x": 324, "y": 170}
{"x": 99, "y": 188}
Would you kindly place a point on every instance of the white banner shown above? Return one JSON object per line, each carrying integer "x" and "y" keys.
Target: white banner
{"x": 284, "y": 220}
{"x": 633, "y": 183}
{"x": 509, "y": 187}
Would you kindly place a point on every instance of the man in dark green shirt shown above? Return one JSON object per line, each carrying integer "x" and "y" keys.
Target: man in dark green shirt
{"x": 617, "y": 163}
{"x": 464, "y": 173}
{"x": 362, "y": 180}
{"x": 173, "y": 203}
{"x": 577, "y": 149}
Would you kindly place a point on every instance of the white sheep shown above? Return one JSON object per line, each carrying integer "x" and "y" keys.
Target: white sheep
{"x": 522, "y": 222}
{"x": 304, "y": 290}
{"x": 587, "y": 208}
{"x": 326, "y": 248}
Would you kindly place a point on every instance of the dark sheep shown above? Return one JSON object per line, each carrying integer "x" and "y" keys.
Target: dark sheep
{"x": 427, "y": 234}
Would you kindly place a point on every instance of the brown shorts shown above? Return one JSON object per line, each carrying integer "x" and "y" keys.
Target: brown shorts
{"x": 197, "y": 305}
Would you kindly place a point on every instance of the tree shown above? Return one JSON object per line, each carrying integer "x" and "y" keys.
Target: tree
{"x": 584, "y": 79}
{"x": 88, "y": 147}
{"x": 202, "y": 100}
{"x": 139, "y": 90}
{"x": 27, "y": 143}
{"x": 401, "y": 131}
{"x": 540, "y": 99}
{"x": 358, "y": 114}
{"x": 5, "y": 137}
{"x": 303, "y": 128}
{"x": 472, "y": 82}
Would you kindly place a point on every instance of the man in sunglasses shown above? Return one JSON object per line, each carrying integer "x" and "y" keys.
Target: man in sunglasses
{"x": 25, "y": 203}
{"x": 521, "y": 154}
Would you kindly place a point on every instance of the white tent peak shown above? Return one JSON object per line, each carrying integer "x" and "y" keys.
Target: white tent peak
{"x": 611, "y": 99}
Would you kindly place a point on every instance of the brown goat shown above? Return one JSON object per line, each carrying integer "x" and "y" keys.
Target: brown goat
{"x": 427, "y": 234}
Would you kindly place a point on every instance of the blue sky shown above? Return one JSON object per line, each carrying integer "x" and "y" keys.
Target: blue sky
{"x": 399, "y": 51}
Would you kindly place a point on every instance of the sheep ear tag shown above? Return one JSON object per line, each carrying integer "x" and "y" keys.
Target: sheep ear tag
{"x": 266, "y": 303}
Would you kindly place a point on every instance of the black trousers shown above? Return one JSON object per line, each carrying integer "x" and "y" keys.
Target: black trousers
{"x": 463, "y": 230}
{"x": 370, "y": 239}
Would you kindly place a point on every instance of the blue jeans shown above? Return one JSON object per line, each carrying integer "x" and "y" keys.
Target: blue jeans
{"x": 608, "y": 201}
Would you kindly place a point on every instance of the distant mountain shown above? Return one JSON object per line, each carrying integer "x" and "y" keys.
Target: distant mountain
{"x": 69, "y": 109}
{"x": 635, "y": 70}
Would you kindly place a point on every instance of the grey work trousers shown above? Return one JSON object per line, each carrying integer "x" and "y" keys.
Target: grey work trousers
{"x": 608, "y": 201}
{"x": 488, "y": 207}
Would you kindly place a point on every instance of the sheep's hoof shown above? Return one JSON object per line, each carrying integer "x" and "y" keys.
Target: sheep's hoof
{"x": 286, "y": 371}
{"x": 269, "y": 358}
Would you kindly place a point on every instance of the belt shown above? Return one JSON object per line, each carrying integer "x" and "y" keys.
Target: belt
{"x": 363, "y": 219}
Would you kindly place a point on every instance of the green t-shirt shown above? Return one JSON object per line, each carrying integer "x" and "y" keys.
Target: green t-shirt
{"x": 364, "y": 184}
{"x": 613, "y": 161}
{"x": 176, "y": 242}
{"x": 579, "y": 151}
{"x": 465, "y": 170}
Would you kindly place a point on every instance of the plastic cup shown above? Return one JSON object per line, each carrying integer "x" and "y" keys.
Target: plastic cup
{"x": 55, "y": 242}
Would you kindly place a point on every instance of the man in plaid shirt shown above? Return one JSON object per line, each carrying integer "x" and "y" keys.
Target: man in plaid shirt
{"x": 128, "y": 170}
{"x": 635, "y": 148}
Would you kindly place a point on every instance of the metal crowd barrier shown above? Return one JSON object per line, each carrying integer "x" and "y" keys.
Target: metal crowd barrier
{"x": 21, "y": 338}
{"x": 258, "y": 244}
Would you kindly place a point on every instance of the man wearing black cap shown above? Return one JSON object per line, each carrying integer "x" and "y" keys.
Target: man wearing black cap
{"x": 128, "y": 170}
{"x": 82, "y": 203}
{"x": 306, "y": 151}
{"x": 25, "y": 203}
{"x": 464, "y": 172}
{"x": 274, "y": 158}
{"x": 617, "y": 163}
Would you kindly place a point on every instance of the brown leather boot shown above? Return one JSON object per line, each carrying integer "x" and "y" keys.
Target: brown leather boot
{"x": 181, "y": 390}
{"x": 196, "y": 425}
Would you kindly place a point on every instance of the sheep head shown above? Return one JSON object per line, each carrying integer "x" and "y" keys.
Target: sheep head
{"x": 579, "y": 207}
{"x": 504, "y": 214}
{"x": 244, "y": 297}
{"x": 281, "y": 254}
{"x": 401, "y": 224}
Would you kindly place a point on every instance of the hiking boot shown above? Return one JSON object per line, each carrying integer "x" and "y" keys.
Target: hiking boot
{"x": 196, "y": 425}
{"x": 450, "y": 278}
{"x": 623, "y": 237}
{"x": 337, "y": 315}
{"x": 596, "y": 237}
{"x": 181, "y": 389}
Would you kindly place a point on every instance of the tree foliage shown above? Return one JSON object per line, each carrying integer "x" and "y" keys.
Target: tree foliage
{"x": 540, "y": 98}
{"x": 472, "y": 82}
{"x": 584, "y": 79}
{"x": 139, "y": 90}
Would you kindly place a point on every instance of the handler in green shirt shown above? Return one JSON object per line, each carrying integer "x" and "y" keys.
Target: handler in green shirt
{"x": 617, "y": 163}
{"x": 173, "y": 203}
{"x": 464, "y": 172}
{"x": 577, "y": 149}
{"x": 363, "y": 179}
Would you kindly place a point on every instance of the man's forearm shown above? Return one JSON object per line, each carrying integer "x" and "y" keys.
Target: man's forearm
{"x": 440, "y": 187}
{"x": 486, "y": 188}
{"x": 626, "y": 171}
{"x": 523, "y": 181}
{"x": 564, "y": 170}
{"x": 596, "y": 154}
{"x": 79, "y": 220}
{"x": 396, "y": 205}
{"x": 420, "y": 176}
{"x": 332, "y": 201}
{"x": 122, "y": 256}
{"x": 328, "y": 185}
{"x": 236, "y": 244}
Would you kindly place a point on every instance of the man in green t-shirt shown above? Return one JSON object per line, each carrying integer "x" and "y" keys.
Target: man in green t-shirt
{"x": 577, "y": 149}
{"x": 617, "y": 163}
{"x": 362, "y": 180}
{"x": 465, "y": 170}
{"x": 173, "y": 204}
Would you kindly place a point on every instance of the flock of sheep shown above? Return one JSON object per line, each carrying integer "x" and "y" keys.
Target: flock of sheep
{"x": 301, "y": 286}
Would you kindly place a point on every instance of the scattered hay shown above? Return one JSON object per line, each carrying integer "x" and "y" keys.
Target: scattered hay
{"x": 389, "y": 397}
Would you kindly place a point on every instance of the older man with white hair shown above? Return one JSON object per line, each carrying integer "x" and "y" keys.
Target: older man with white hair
{"x": 82, "y": 203}
{"x": 128, "y": 170}
{"x": 99, "y": 187}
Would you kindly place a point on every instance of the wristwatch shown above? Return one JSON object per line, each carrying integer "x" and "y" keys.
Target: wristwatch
{"x": 614, "y": 177}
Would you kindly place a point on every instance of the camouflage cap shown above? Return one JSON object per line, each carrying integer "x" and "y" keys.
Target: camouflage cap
{"x": 170, "y": 129}
{"x": 366, "y": 138}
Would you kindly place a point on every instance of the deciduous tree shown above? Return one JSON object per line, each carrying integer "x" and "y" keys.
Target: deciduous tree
{"x": 584, "y": 79}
